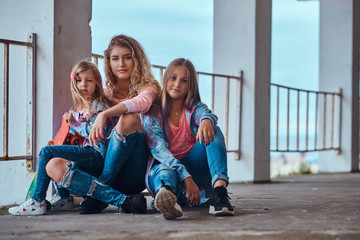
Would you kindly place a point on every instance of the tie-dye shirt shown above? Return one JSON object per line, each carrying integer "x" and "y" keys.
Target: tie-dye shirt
{"x": 84, "y": 121}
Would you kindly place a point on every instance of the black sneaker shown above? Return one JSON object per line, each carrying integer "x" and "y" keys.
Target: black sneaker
{"x": 91, "y": 206}
{"x": 220, "y": 204}
{"x": 166, "y": 203}
{"x": 134, "y": 204}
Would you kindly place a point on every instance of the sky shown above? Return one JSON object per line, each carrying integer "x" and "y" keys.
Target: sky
{"x": 166, "y": 29}
{"x": 172, "y": 29}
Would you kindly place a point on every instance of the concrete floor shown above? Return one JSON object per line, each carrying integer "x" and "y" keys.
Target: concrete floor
{"x": 297, "y": 207}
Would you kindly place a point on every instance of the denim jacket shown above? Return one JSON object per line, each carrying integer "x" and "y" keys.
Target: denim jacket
{"x": 194, "y": 113}
{"x": 84, "y": 121}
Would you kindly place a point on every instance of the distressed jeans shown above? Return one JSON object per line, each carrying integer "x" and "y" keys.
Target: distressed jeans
{"x": 126, "y": 162}
{"x": 86, "y": 158}
{"x": 123, "y": 172}
{"x": 204, "y": 163}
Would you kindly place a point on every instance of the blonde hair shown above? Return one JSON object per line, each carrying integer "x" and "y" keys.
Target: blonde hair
{"x": 193, "y": 93}
{"x": 78, "y": 101}
{"x": 141, "y": 76}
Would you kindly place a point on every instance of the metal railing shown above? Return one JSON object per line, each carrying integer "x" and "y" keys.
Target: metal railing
{"x": 325, "y": 119}
{"x": 213, "y": 77}
{"x": 29, "y": 154}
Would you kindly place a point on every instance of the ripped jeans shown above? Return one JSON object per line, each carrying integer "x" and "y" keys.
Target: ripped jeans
{"x": 126, "y": 162}
{"x": 86, "y": 158}
{"x": 123, "y": 173}
{"x": 82, "y": 183}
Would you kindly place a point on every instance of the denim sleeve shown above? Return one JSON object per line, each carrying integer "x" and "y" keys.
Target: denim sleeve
{"x": 201, "y": 112}
{"x": 159, "y": 147}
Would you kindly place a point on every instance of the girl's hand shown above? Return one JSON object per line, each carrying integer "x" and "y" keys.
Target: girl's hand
{"x": 96, "y": 132}
{"x": 206, "y": 129}
{"x": 192, "y": 190}
{"x": 69, "y": 118}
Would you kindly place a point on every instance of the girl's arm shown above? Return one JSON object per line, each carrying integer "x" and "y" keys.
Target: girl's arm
{"x": 206, "y": 122}
{"x": 138, "y": 104}
{"x": 84, "y": 128}
{"x": 201, "y": 112}
{"x": 142, "y": 102}
{"x": 159, "y": 147}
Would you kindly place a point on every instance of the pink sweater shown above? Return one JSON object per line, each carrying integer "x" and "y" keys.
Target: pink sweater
{"x": 138, "y": 104}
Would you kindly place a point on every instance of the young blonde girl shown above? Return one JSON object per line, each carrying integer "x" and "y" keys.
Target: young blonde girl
{"x": 131, "y": 85}
{"x": 88, "y": 101}
{"x": 188, "y": 148}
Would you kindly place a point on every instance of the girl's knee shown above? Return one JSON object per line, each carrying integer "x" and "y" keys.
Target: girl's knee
{"x": 56, "y": 168}
{"x": 128, "y": 123}
{"x": 45, "y": 151}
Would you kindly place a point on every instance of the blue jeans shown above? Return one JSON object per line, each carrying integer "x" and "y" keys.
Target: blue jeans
{"x": 204, "y": 163}
{"x": 123, "y": 173}
{"x": 86, "y": 158}
{"x": 80, "y": 182}
{"x": 126, "y": 162}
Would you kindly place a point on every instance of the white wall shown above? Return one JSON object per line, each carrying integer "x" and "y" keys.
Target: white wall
{"x": 339, "y": 69}
{"x": 59, "y": 44}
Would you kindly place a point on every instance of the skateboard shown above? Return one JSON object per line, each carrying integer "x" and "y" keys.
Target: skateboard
{"x": 65, "y": 136}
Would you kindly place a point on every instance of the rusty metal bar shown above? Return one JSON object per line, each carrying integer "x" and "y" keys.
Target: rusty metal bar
{"x": 6, "y": 101}
{"x": 288, "y": 119}
{"x": 316, "y": 119}
{"x": 297, "y": 120}
{"x": 324, "y": 123}
{"x": 304, "y": 90}
{"x": 240, "y": 114}
{"x": 161, "y": 76}
{"x": 213, "y": 92}
{"x": 277, "y": 117}
{"x": 307, "y": 122}
{"x": 227, "y": 112}
{"x": 13, "y": 42}
{"x": 31, "y": 164}
{"x": 96, "y": 61}
{"x": 332, "y": 120}
{"x": 317, "y": 129}
{"x": 30, "y": 101}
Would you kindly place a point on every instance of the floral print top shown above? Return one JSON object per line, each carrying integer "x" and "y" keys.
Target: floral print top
{"x": 84, "y": 121}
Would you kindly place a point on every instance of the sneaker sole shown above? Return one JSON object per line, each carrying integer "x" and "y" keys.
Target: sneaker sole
{"x": 166, "y": 203}
{"x": 223, "y": 212}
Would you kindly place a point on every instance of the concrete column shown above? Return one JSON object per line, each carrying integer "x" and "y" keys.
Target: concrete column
{"x": 339, "y": 69}
{"x": 63, "y": 37}
{"x": 72, "y": 42}
{"x": 242, "y": 41}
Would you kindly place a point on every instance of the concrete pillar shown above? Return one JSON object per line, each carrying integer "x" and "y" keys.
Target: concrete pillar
{"x": 242, "y": 41}
{"x": 339, "y": 69}
{"x": 63, "y": 37}
{"x": 72, "y": 42}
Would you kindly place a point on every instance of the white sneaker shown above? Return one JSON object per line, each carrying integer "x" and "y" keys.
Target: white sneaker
{"x": 62, "y": 204}
{"x": 166, "y": 203}
{"x": 29, "y": 207}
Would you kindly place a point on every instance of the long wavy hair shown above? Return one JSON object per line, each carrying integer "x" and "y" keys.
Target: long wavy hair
{"x": 79, "y": 103}
{"x": 141, "y": 77}
{"x": 193, "y": 93}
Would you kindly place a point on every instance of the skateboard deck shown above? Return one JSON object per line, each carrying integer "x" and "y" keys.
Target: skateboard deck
{"x": 62, "y": 137}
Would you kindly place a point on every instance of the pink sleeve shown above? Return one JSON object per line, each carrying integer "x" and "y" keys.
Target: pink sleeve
{"x": 142, "y": 102}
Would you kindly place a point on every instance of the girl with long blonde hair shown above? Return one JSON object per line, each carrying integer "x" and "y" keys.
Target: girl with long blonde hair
{"x": 188, "y": 148}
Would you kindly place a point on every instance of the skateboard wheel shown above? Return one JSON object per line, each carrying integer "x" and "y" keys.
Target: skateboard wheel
{"x": 75, "y": 141}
